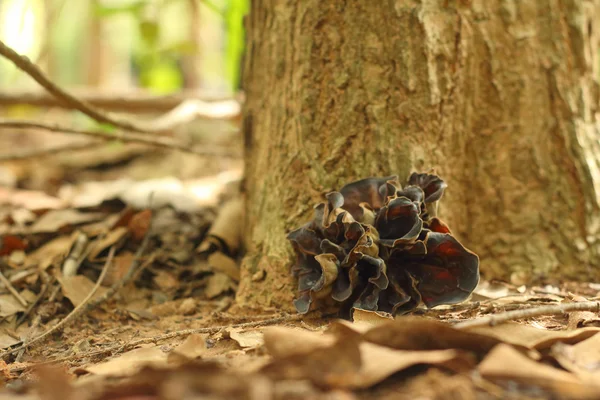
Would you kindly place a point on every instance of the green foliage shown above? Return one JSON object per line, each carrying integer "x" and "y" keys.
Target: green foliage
{"x": 156, "y": 61}
{"x": 209, "y": 4}
{"x": 162, "y": 77}
{"x": 104, "y": 11}
{"x": 105, "y": 127}
{"x": 150, "y": 31}
{"x": 185, "y": 47}
{"x": 234, "y": 22}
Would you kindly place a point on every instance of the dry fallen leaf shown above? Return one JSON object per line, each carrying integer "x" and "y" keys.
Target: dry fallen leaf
{"x": 99, "y": 228}
{"x": 166, "y": 280}
{"x": 249, "y": 339}
{"x": 323, "y": 366}
{"x": 583, "y": 319}
{"x": 53, "y": 252}
{"x": 29, "y": 199}
{"x": 351, "y": 364}
{"x": 77, "y": 288}
{"x": 533, "y": 338}
{"x": 218, "y": 284}
{"x": 9, "y": 305}
{"x": 372, "y": 318}
{"x": 412, "y": 333}
{"x": 139, "y": 224}
{"x": 10, "y": 243}
{"x": 380, "y": 362}
{"x": 583, "y": 358}
{"x": 284, "y": 342}
{"x": 225, "y": 264}
{"x": 199, "y": 380}
{"x": 194, "y": 346}
{"x": 506, "y": 363}
{"x": 7, "y": 340}
{"x": 54, "y": 383}
{"x": 226, "y": 230}
{"x": 119, "y": 268}
{"x": 54, "y": 220}
{"x": 129, "y": 363}
{"x": 103, "y": 243}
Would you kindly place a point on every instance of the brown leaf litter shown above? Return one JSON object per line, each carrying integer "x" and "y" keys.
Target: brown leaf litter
{"x": 173, "y": 331}
{"x": 342, "y": 358}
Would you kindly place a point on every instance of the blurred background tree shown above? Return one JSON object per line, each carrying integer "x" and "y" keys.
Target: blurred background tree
{"x": 161, "y": 46}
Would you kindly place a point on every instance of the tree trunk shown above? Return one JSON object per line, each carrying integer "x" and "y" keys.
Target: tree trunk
{"x": 499, "y": 96}
{"x": 191, "y": 63}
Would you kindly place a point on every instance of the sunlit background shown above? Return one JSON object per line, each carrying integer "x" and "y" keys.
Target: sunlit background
{"x": 161, "y": 46}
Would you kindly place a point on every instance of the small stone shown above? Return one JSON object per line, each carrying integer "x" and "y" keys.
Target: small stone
{"x": 188, "y": 306}
{"x": 258, "y": 275}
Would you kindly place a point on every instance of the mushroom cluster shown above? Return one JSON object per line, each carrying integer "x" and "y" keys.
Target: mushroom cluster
{"x": 377, "y": 245}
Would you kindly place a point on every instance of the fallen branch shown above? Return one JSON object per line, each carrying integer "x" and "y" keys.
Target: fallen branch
{"x": 45, "y": 152}
{"x": 73, "y": 315}
{"x": 126, "y": 102}
{"x": 497, "y": 319}
{"x": 24, "y": 64}
{"x": 131, "y": 137}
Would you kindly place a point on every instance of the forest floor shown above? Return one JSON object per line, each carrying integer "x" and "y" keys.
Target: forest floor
{"x": 111, "y": 292}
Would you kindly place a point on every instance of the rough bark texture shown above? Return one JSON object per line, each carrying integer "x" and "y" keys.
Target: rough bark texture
{"x": 499, "y": 96}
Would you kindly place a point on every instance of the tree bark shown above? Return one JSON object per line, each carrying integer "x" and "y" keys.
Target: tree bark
{"x": 499, "y": 96}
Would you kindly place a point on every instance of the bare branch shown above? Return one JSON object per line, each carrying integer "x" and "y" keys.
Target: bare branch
{"x": 125, "y": 102}
{"x": 48, "y": 151}
{"x": 32, "y": 70}
{"x": 73, "y": 315}
{"x": 497, "y": 319}
{"x": 131, "y": 137}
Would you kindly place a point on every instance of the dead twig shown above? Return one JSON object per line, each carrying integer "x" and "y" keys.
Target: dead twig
{"x": 137, "y": 102}
{"x": 12, "y": 290}
{"x": 74, "y": 259}
{"x": 24, "y": 64}
{"x": 132, "y": 137}
{"x": 77, "y": 311}
{"x": 43, "y": 291}
{"x": 34, "y": 325}
{"x": 131, "y": 272}
{"x": 529, "y": 313}
{"x": 45, "y": 152}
